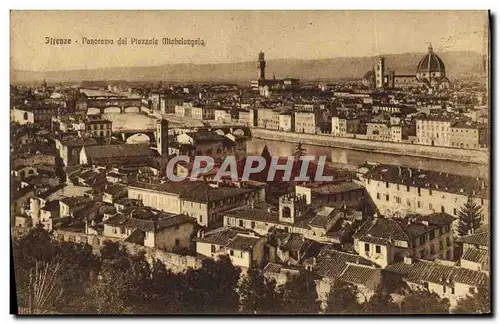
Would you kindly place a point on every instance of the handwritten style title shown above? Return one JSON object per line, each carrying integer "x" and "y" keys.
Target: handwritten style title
{"x": 124, "y": 41}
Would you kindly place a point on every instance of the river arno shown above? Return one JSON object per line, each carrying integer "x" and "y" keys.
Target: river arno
{"x": 342, "y": 157}
{"x": 351, "y": 158}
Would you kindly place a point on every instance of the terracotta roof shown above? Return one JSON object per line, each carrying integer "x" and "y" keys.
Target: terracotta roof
{"x": 118, "y": 150}
{"x": 357, "y": 274}
{"x": 478, "y": 238}
{"x": 219, "y": 236}
{"x": 332, "y": 263}
{"x": 476, "y": 255}
{"x": 420, "y": 271}
{"x": 382, "y": 230}
{"x": 146, "y": 219}
{"x": 243, "y": 243}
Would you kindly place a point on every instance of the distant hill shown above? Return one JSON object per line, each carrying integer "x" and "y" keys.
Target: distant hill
{"x": 457, "y": 63}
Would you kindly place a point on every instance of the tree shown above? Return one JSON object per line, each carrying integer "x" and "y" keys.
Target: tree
{"x": 299, "y": 295}
{"x": 477, "y": 303}
{"x": 469, "y": 217}
{"x": 258, "y": 295}
{"x": 424, "y": 302}
{"x": 44, "y": 289}
{"x": 211, "y": 288}
{"x": 343, "y": 299}
{"x": 380, "y": 303}
{"x": 299, "y": 151}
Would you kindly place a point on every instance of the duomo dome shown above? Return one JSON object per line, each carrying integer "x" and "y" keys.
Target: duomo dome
{"x": 431, "y": 66}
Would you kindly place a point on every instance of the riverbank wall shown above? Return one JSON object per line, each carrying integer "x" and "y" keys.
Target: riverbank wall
{"x": 423, "y": 151}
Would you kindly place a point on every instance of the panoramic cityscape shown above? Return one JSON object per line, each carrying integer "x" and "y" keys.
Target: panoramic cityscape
{"x": 346, "y": 185}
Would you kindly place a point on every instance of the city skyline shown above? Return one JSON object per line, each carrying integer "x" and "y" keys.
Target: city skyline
{"x": 240, "y": 34}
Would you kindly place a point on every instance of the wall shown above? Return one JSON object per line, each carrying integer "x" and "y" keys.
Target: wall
{"x": 174, "y": 262}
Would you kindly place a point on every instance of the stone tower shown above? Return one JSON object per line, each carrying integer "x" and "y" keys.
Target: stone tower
{"x": 162, "y": 137}
{"x": 379, "y": 72}
{"x": 262, "y": 66}
{"x": 291, "y": 207}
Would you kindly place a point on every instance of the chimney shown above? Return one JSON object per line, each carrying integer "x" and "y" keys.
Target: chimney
{"x": 399, "y": 170}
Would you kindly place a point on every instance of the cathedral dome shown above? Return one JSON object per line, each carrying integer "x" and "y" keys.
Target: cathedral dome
{"x": 431, "y": 63}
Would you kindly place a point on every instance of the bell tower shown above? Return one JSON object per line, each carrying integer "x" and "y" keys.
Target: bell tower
{"x": 291, "y": 207}
{"x": 379, "y": 72}
{"x": 262, "y": 66}
{"x": 162, "y": 137}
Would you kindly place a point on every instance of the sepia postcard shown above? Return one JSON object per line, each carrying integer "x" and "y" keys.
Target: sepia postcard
{"x": 250, "y": 162}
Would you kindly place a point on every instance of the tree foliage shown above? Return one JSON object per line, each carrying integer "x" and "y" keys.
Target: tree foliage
{"x": 299, "y": 151}
{"x": 469, "y": 217}
{"x": 477, "y": 303}
{"x": 424, "y": 302}
{"x": 380, "y": 303}
{"x": 211, "y": 288}
{"x": 343, "y": 299}
{"x": 299, "y": 295}
{"x": 258, "y": 295}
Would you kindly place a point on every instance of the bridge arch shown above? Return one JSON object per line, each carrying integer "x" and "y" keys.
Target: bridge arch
{"x": 239, "y": 132}
{"x": 93, "y": 111}
{"x": 112, "y": 109}
{"x": 138, "y": 138}
{"x": 132, "y": 109}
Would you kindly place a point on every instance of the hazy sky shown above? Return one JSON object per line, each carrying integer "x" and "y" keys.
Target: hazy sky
{"x": 235, "y": 36}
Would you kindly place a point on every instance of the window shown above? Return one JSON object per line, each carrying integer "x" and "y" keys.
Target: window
{"x": 419, "y": 193}
{"x": 212, "y": 248}
{"x": 472, "y": 290}
{"x": 378, "y": 195}
{"x": 253, "y": 225}
{"x": 240, "y": 223}
{"x": 367, "y": 247}
{"x": 408, "y": 202}
{"x": 177, "y": 242}
{"x": 444, "y": 289}
{"x": 442, "y": 209}
{"x": 452, "y": 290}
{"x": 430, "y": 192}
{"x": 387, "y": 184}
{"x": 454, "y": 211}
{"x": 386, "y": 197}
{"x": 231, "y": 252}
{"x": 201, "y": 218}
{"x": 426, "y": 285}
{"x": 430, "y": 205}
{"x": 377, "y": 249}
{"x": 408, "y": 188}
{"x": 123, "y": 230}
